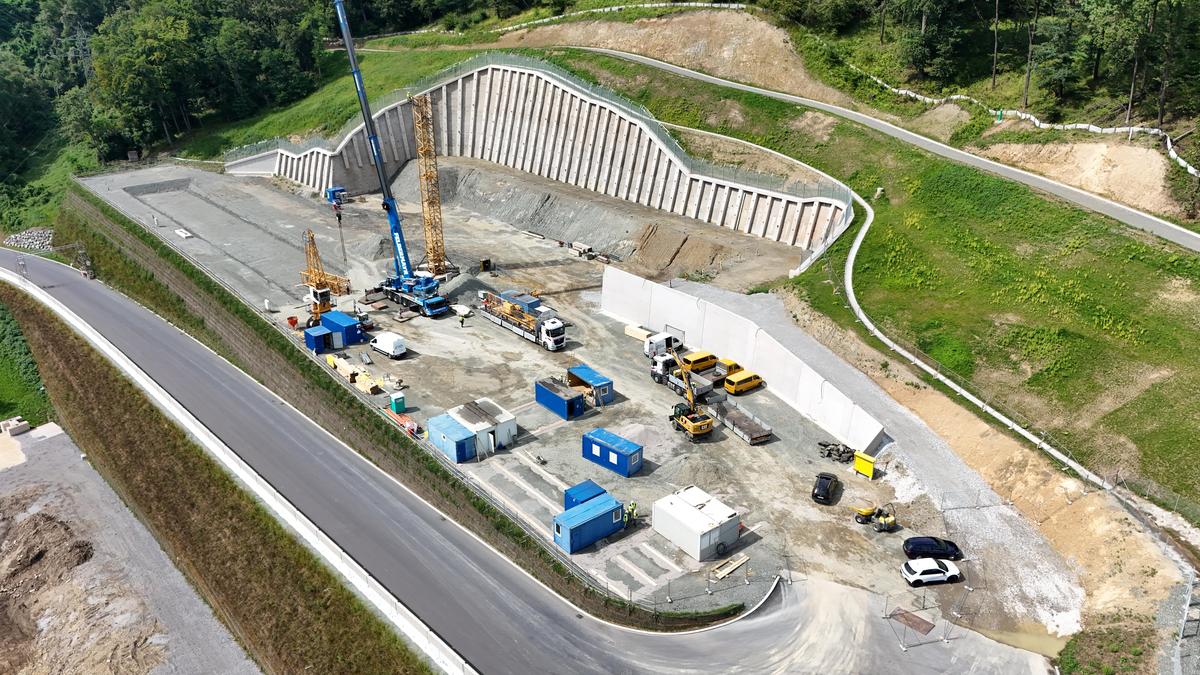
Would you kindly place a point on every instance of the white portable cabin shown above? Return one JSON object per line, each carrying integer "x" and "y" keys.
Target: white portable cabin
{"x": 493, "y": 426}
{"x": 696, "y": 522}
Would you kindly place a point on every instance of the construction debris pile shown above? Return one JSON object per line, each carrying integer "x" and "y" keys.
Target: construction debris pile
{"x": 34, "y": 239}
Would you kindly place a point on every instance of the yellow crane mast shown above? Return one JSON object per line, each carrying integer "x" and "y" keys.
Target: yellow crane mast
{"x": 431, "y": 196}
{"x": 321, "y": 284}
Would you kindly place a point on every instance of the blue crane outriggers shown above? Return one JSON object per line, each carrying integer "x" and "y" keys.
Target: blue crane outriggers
{"x": 417, "y": 292}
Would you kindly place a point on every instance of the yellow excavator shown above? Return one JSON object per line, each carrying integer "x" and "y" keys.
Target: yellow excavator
{"x": 686, "y": 417}
{"x": 880, "y": 518}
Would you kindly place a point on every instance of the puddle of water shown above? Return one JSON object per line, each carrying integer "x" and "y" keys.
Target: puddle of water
{"x": 1031, "y": 637}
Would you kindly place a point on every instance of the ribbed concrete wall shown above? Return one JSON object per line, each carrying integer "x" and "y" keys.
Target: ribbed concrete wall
{"x": 533, "y": 121}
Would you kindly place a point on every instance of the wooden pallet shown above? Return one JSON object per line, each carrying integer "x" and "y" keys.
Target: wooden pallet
{"x": 726, "y": 568}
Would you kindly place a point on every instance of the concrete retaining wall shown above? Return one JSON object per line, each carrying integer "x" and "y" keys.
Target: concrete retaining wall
{"x": 539, "y": 122}
{"x": 701, "y": 324}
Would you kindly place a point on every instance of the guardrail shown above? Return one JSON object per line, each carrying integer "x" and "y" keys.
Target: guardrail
{"x": 476, "y": 488}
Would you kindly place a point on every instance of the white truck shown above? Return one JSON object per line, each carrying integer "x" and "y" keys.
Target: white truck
{"x": 661, "y": 343}
{"x": 524, "y": 315}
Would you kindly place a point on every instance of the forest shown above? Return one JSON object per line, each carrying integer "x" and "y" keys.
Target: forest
{"x": 119, "y": 75}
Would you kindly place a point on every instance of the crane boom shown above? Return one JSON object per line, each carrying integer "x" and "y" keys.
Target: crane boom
{"x": 399, "y": 250}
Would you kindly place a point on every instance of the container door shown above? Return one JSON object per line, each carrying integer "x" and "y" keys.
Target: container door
{"x": 338, "y": 340}
{"x": 492, "y": 441}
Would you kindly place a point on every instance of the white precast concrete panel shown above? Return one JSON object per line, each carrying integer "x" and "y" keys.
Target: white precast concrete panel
{"x": 632, "y": 299}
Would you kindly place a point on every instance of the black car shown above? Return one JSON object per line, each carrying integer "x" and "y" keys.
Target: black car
{"x": 825, "y": 488}
{"x": 931, "y": 547}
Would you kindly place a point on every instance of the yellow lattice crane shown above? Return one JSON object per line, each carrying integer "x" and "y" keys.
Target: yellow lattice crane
{"x": 321, "y": 284}
{"x": 431, "y": 196}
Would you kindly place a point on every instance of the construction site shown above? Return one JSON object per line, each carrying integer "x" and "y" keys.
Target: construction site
{"x": 552, "y": 300}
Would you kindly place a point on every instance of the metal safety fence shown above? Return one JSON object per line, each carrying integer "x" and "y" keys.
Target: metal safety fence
{"x": 650, "y": 605}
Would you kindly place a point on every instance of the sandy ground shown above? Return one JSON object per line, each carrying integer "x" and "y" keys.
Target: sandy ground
{"x": 939, "y": 122}
{"x": 1122, "y": 567}
{"x": 84, "y": 588}
{"x": 731, "y": 45}
{"x": 1127, "y": 173}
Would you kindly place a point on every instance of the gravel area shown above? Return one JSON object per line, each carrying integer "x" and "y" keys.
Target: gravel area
{"x": 125, "y": 608}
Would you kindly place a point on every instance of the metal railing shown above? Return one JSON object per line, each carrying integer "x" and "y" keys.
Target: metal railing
{"x": 639, "y": 113}
{"x": 467, "y": 479}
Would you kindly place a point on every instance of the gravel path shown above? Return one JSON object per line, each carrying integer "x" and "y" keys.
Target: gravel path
{"x": 196, "y": 642}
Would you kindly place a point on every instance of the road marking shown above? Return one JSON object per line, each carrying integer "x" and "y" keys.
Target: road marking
{"x": 634, "y": 570}
{"x": 509, "y": 503}
{"x": 548, "y": 427}
{"x": 649, "y": 550}
{"x": 549, "y": 477}
{"x": 554, "y": 508}
{"x": 522, "y": 408}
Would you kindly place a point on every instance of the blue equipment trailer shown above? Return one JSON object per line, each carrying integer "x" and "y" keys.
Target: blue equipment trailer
{"x": 420, "y": 293}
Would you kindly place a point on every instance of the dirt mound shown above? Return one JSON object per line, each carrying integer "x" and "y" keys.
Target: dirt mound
{"x": 733, "y": 45}
{"x": 1127, "y": 173}
{"x": 940, "y": 122}
{"x": 57, "y": 613}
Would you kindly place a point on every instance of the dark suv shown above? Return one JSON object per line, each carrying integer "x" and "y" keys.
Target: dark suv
{"x": 825, "y": 488}
{"x": 931, "y": 547}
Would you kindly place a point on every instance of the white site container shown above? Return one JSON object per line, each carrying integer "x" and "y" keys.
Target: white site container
{"x": 493, "y": 426}
{"x": 696, "y": 522}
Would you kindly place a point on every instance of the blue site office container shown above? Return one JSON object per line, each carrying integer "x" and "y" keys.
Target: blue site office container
{"x": 558, "y": 398}
{"x": 316, "y": 339}
{"x": 452, "y": 438}
{"x": 580, "y": 493}
{"x": 525, "y": 300}
{"x": 612, "y": 452}
{"x": 602, "y": 386}
{"x": 581, "y": 526}
{"x": 346, "y": 329}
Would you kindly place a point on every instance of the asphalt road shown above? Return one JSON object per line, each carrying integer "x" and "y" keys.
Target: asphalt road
{"x": 493, "y": 614}
{"x": 1130, "y": 216}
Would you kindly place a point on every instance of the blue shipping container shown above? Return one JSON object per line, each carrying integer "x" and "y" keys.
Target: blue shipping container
{"x": 602, "y": 386}
{"x": 452, "y": 438}
{"x": 591, "y": 521}
{"x": 317, "y": 338}
{"x": 580, "y": 493}
{"x": 612, "y": 452}
{"x": 345, "y": 328}
{"x": 558, "y": 398}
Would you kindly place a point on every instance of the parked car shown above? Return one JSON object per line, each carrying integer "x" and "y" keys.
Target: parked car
{"x": 825, "y": 488}
{"x": 931, "y": 547}
{"x": 929, "y": 571}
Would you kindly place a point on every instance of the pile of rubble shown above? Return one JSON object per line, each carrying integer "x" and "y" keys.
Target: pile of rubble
{"x": 35, "y": 239}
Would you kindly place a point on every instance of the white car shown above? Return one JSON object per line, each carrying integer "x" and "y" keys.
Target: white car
{"x": 929, "y": 571}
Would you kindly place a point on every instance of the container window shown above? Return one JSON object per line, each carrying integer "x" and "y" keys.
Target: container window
{"x": 612, "y": 457}
{"x": 558, "y": 528}
{"x": 617, "y": 516}
{"x": 635, "y": 458}
{"x": 595, "y": 450}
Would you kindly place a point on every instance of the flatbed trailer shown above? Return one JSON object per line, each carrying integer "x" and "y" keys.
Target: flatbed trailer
{"x": 740, "y": 421}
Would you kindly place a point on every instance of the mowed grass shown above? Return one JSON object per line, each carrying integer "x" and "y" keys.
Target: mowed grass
{"x": 323, "y": 112}
{"x": 1073, "y": 321}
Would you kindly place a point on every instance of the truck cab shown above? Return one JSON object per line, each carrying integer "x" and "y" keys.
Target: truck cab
{"x": 661, "y": 366}
{"x": 552, "y": 333}
{"x": 661, "y": 343}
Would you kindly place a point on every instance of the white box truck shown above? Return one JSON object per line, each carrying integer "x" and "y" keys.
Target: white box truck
{"x": 660, "y": 343}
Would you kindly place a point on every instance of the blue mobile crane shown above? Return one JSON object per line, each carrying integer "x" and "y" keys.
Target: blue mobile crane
{"x": 406, "y": 288}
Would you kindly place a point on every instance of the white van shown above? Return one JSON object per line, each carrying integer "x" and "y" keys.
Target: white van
{"x": 658, "y": 344}
{"x": 389, "y": 344}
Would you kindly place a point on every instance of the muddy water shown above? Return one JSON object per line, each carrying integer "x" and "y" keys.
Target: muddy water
{"x": 1031, "y": 636}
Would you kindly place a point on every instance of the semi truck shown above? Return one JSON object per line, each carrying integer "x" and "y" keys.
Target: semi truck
{"x": 419, "y": 294}
{"x": 524, "y": 315}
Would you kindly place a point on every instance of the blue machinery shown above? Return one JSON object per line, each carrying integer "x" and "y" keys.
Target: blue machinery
{"x": 415, "y": 292}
